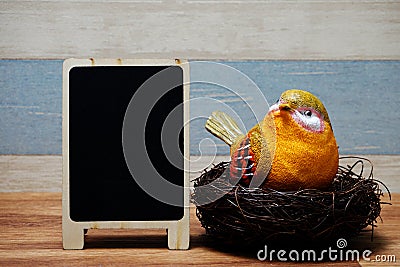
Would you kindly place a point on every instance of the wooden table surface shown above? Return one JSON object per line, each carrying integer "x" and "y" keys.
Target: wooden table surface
{"x": 30, "y": 234}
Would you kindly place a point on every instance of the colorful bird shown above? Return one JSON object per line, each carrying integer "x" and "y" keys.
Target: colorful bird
{"x": 292, "y": 148}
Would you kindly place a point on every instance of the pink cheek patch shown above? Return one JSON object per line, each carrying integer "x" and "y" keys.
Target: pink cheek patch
{"x": 314, "y": 123}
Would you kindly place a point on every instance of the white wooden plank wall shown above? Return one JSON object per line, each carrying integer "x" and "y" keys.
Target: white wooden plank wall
{"x": 42, "y": 173}
{"x": 203, "y": 29}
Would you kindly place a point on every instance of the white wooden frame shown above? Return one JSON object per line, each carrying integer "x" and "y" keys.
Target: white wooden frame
{"x": 73, "y": 232}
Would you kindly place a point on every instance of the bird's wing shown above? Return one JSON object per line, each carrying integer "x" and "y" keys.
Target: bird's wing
{"x": 243, "y": 164}
{"x": 252, "y": 158}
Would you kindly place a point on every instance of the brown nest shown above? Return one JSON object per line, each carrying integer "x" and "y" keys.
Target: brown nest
{"x": 254, "y": 215}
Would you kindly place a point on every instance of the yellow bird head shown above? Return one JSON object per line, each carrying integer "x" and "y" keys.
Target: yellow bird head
{"x": 306, "y": 109}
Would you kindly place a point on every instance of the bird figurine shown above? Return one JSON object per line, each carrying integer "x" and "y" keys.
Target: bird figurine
{"x": 292, "y": 148}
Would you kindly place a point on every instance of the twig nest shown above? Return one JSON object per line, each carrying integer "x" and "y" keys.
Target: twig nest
{"x": 237, "y": 214}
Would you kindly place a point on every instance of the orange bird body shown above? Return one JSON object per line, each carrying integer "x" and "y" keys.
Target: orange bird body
{"x": 292, "y": 148}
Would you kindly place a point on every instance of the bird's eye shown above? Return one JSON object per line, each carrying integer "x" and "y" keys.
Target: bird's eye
{"x": 308, "y": 113}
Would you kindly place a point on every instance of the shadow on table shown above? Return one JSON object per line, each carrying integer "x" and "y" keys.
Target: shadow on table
{"x": 126, "y": 239}
{"x": 334, "y": 251}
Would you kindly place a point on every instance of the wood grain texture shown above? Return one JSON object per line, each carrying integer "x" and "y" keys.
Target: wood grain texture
{"x": 37, "y": 173}
{"x": 352, "y": 92}
{"x": 42, "y": 173}
{"x": 30, "y": 235}
{"x": 30, "y": 173}
{"x": 200, "y": 29}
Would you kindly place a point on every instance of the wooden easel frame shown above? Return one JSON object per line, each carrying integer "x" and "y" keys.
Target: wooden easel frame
{"x": 72, "y": 231}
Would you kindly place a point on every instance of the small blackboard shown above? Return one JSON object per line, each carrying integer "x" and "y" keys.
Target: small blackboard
{"x": 123, "y": 141}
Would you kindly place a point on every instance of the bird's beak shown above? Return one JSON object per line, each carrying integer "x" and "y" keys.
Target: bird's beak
{"x": 277, "y": 107}
{"x": 285, "y": 106}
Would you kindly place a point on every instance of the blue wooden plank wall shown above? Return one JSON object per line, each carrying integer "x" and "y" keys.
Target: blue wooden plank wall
{"x": 362, "y": 97}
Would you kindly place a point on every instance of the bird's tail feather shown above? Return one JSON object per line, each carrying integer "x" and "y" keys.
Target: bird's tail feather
{"x": 223, "y": 126}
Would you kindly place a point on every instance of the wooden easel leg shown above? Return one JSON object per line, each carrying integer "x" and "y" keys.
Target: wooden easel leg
{"x": 178, "y": 235}
{"x": 73, "y": 236}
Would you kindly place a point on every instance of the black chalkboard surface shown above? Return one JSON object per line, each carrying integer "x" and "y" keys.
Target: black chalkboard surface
{"x": 101, "y": 187}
